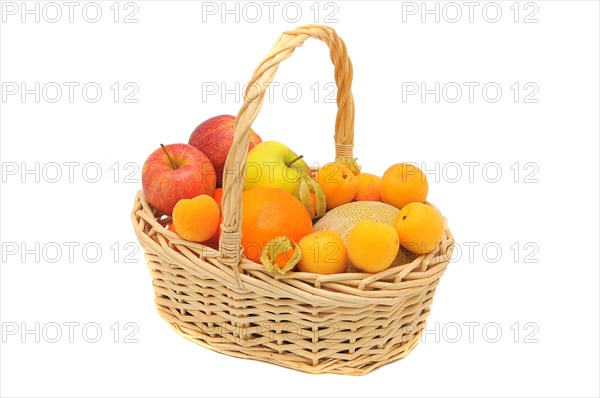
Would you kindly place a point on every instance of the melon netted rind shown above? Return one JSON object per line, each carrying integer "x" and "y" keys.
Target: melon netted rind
{"x": 343, "y": 218}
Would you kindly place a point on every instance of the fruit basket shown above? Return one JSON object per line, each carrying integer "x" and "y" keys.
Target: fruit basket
{"x": 346, "y": 323}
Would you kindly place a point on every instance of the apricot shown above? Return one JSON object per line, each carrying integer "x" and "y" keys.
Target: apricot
{"x": 369, "y": 187}
{"x": 196, "y": 219}
{"x": 338, "y": 183}
{"x": 213, "y": 242}
{"x": 372, "y": 246}
{"x": 402, "y": 184}
{"x": 420, "y": 228}
{"x": 323, "y": 252}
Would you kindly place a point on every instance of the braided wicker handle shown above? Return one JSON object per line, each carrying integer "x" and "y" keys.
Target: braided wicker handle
{"x": 233, "y": 180}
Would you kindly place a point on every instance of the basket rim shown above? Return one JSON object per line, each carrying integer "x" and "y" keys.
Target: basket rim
{"x": 384, "y": 286}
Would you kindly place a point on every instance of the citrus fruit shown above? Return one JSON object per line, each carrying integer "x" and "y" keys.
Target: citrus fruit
{"x": 268, "y": 213}
{"x": 218, "y": 196}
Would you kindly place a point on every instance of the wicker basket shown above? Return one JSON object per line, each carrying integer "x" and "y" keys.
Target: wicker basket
{"x": 349, "y": 323}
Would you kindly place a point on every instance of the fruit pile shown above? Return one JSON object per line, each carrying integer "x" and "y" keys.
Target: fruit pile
{"x": 334, "y": 220}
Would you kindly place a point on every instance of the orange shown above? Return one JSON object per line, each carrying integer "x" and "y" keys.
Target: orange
{"x": 218, "y": 196}
{"x": 172, "y": 228}
{"x": 369, "y": 187}
{"x": 323, "y": 252}
{"x": 196, "y": 219}
{"x": 402, "y": 184}
{"x": 372, "y": 246}
{"x": 268, "y": 213}
{"x": 420, "y": 228}
{"x": 338, "y": 183}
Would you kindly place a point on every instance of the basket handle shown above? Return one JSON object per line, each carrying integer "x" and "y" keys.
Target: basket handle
{"x": 233, "y": 180}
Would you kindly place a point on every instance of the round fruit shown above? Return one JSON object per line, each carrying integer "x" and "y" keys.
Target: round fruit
{"x": 214, "y": 137}
{"x": 282, "y": 259}
{"x": 402, "y": 184}
{"x": 218, "y": 196}
{"x": 268, "y": 213}
{"x": 272, "y": 164}
{"x": 313, "y": 201}
{"x": 338, "y": 183}
{"x": 312, "y": 197}
{"x": 171, "y": 228}
{"x": 213, "y": 242}
{"x": 323, "y": 252}
{"x": 372, "y": 246}
{"x": 196, "y": 219}
{"x": 420, "y": 228}
{"x": 280, "y": 255}
{"x": 174, "y": 172}
{"x": 369, "y": 187}
{"x": 343, "y": 218}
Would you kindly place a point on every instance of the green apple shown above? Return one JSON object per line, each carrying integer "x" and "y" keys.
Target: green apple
{"x": 271, "y": 164}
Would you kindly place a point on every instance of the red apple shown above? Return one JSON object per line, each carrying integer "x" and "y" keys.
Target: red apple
{"x": 214, "y": 137}
{"x": 174, "y": 172}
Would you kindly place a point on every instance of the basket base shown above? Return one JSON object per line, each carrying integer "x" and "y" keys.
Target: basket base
{"x": 332, "y": 366}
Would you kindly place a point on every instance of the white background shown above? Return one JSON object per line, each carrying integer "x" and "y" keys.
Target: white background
{"x": 540, "y": 291}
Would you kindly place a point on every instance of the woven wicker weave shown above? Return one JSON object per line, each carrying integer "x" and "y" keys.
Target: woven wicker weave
{"x": 349, "y": 323}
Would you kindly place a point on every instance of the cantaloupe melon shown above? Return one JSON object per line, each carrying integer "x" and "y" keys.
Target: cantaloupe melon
{"x": 343, "y": 218}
